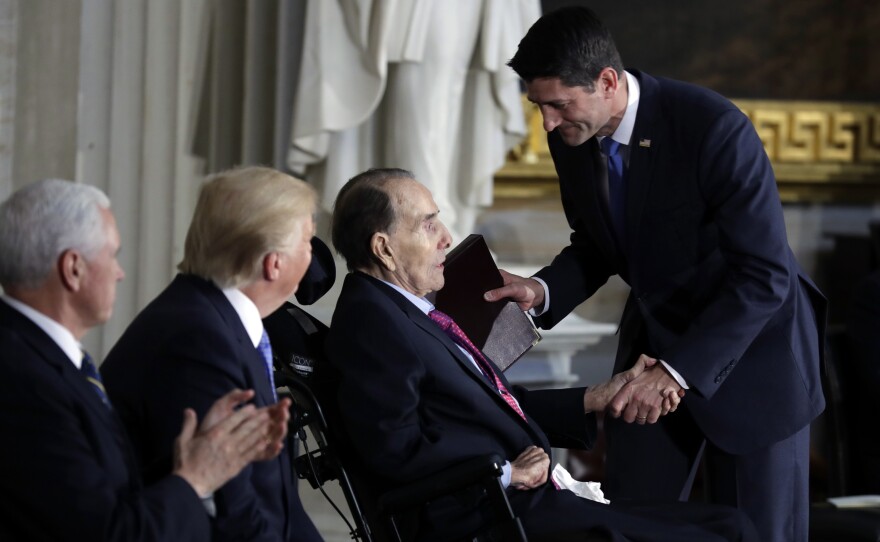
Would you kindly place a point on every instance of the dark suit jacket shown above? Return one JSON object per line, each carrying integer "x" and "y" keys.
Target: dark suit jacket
{"x": 66, "y": 469}
{"x": 187, "y": 348}
{"x": 716, "y": 291}
{"x": 413, "y": 405}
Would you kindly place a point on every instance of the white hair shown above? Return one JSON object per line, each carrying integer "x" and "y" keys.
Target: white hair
{"x": 42, "y": 220}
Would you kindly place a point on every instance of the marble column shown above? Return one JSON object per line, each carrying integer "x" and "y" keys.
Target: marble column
{"x": 7, "y": 94}
{"x": 138, "y": 62}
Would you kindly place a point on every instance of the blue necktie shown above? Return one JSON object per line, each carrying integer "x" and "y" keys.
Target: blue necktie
{"x": 265, "y": 349}
{"x": 616, "y": 188}
{"x": 94, "y": 377}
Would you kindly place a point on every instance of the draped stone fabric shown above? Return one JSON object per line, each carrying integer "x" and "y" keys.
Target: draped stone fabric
{"x": 418, "y": 84}
{"x": 249, "y": 64}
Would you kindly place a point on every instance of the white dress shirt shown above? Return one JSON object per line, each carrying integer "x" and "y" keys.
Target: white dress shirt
{"x": 58, "y": 333}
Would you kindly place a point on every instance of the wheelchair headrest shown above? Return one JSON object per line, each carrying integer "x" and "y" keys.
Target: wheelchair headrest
{"x": 319, "y": 277}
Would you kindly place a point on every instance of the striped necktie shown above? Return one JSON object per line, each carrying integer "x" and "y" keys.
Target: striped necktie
{"x": 91, "y": 373}
{"x": 265, "y": 350}
{"x": 448, "y": 325}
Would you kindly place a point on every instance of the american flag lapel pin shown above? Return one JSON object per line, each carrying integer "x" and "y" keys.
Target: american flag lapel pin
{"x": 645, "y": 143}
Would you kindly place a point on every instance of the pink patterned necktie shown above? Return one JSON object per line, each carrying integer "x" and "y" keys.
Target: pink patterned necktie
{"x": 458, "y": 337}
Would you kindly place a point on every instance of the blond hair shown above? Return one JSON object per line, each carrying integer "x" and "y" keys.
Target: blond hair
{"x": 241, "y": 215}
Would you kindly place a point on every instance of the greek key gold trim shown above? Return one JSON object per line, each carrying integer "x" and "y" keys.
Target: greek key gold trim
{"x": 820, "y": 151}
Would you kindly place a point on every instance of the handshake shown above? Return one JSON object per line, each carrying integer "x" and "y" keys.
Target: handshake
{"x": 641, "y": 394}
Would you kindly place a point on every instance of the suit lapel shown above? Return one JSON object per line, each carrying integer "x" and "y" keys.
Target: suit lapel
{"x": 602, "y": 210}
{"x": 359, "y": 280}
{"x": 256, "y": 366}
{"x": 253, "y": 365}
{"x": 425, "y": 323}
{"x": 586, "y": 189}
{"x": 252, "y": 362}
{"x": 643, "y": 149}
{"x": 50, "y": 353}
{"x": 421, "y": 320}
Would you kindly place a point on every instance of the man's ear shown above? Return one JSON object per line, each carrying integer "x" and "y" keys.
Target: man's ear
{"x": 71, "y": 267}
{"x": 272, "y": 266}
{"x": 607, "y": 82}
{"x": 381, "y": 247}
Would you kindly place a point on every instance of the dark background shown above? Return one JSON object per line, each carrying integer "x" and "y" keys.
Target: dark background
{"x": 771, "y": 49}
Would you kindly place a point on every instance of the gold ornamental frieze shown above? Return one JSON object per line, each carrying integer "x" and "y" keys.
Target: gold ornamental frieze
{"x": 820, "y": 151}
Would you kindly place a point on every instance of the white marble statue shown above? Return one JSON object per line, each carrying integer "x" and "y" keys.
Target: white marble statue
{"x": 417, "y": 84}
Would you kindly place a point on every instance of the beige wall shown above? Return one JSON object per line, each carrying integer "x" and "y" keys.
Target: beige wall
{"x": 101, "y": 92}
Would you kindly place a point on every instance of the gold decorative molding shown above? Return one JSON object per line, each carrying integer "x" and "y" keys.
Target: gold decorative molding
{"x": 820, "y": 151}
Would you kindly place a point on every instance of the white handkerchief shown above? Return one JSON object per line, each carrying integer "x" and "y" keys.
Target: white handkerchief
{"x": 587, "y": 490}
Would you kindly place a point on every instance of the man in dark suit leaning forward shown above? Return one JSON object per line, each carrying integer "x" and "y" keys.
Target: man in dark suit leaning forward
{"x": 66, "y": 466}
{"x": 247, "y": 248}
{"x": 415, "y": 402}
{"x": 667, "y": 185}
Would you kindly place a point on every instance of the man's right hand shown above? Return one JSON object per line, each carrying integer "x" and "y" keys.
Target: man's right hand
{"x": 230, "y": 437}
{"x": 527, "y": 292}
{"x": 529, "y": 470}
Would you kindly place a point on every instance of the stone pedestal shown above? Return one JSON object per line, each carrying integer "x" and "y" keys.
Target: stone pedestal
{"x": 548, "y": 364}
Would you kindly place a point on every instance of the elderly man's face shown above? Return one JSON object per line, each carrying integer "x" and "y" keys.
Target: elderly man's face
{"x": 418, "y": 240}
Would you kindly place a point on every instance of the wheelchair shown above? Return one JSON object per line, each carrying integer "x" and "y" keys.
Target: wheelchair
{"x": 376, "y": 515}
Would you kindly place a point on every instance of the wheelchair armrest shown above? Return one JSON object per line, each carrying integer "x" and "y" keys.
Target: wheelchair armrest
{"x": 478, "y": 470}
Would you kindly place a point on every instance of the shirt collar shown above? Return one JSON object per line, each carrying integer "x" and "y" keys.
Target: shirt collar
{"x": 247, "y": 312}
{"x": 423, "y": 304}
{"x": 624, "y": 131}
{"x": 57, "y": 332}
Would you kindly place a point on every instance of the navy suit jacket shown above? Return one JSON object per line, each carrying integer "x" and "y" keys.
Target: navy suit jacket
{"x": 716, "y": 291}
{"x": 66, "y": 468}
{"x": 413, "y": 405}
{"x": 188, "y": 348}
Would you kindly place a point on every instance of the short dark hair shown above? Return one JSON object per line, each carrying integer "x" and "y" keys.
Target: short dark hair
{"x": 570, "y": 43}
{"x": 364, "y": 207}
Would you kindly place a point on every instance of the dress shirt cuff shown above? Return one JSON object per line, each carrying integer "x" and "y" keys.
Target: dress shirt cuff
{"x": 534, "y": 311}
{"x": 678, "y": 378}
{"x": 506, "y": 469}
